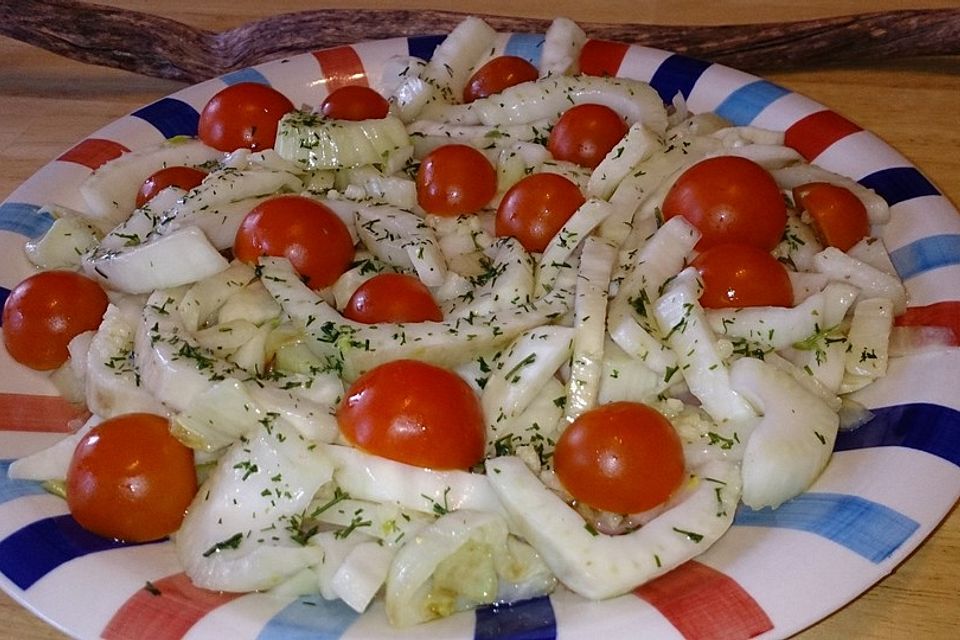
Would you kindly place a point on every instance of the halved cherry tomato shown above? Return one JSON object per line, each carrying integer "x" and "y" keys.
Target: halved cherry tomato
{"x": 455, "y": 179}
{"x": 623, "y": 457}
{"x": 536, "y": 207}
{"x": 585, "y": 134}
{"x": 243, "y": 115}
{"x": 414, "y": 412}
{"x": 498, "y": 74}
{"x": 839, "y": 217}
{"x": 355, "y": 102}
{"x": 730, "y": 200}
{"x": 741, "y": 275}
{"x": 305, "y": 231}
{"x": 185, "y": 178}
{"x": 45, "y": 312}
{"x": 392, "y": 297}
{"x": 130, "y": 479}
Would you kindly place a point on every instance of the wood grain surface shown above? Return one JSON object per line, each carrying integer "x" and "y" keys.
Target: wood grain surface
{"x": 48, "y": 102}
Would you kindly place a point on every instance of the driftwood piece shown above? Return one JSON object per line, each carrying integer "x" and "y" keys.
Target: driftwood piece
{"x": 156, "y": 46}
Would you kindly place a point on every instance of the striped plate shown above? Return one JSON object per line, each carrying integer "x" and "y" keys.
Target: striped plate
{"x": 869, "y": 510}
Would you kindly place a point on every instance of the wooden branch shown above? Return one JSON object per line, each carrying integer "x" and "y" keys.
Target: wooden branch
{"x": 156, "y": 46}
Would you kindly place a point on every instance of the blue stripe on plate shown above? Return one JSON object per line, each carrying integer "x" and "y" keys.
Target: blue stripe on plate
{"x": 13, "y": 489}
{"x": 926, "y": 254}
{"x": 898, "y": 184}
{"x": 310, "y": 618}
{"x": 867, "y": 528}
{"x": 25, "y": 219}
{"x": 925, "y": 427}
{"x": 32, "y": 552}
{"x": 423, "y": 46}
{"x": 532, "y": 619}
{"x": 677, "y": 74}
{"x": 4, "y": 292}
{"x": 746, "y": 103}
{"x": 525, "y": 45}
{"x": 171, "y": 117}
{"x": 244, "y": 75}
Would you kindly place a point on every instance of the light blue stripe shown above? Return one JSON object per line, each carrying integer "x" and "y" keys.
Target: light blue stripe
{"x": 926, "y": 254}
{"x": 525, "y": 45}
{"x": 13, "y": 489}
{"x": 310, "y": 618}
{"x": 867, "y": 528}
{"x": 743, "y": 105}
{"x": 244, "y": 75}
{"x": 25, "y": 219}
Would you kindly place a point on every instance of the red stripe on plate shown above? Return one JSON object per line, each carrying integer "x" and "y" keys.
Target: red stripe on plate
{"x": 164, "y": 609}
{"x": 51, "y": 414}
{"x": 94, "y": 152}
{"x": 341, "y": 66}
{"x": 815, "y": 133}
{"x": 940, "y": 314}
{"x": 705, "y": 604}
{"x": 602, "y": 57}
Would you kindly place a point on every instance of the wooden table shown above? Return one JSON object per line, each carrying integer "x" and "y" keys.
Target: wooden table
{"x": 47, "y": 103}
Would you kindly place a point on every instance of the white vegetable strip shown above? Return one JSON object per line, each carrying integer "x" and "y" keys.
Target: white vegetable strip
{"x": 508, "y": 282}
{"x": 871, "y": 281}
{"x": 63, "y": 245}
{"x": 362, "y": 573}
{"x": 869, "y": 337}
{"x": 203, "y": 299}
{"x": 314, "y": 142}
{"x": 403, "y": 239}
{"x": 639, "y": 144}
{"x": 561, "y": 47}
{"x": 772, "y": 328}
{"x": 452, "y": 61}
{"x": 554, "y": 259}
{"x": 50, "y": 463}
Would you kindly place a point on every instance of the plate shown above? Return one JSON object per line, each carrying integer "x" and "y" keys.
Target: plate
{"x": 773, "y": 574}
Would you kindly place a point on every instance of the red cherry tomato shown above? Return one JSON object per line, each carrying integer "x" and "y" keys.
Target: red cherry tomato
{"x": 355, "y": 102}
{"x": 730, "y": 200}
{"x": 45, "y": 312}
{"x": 455, "y": 179}
{"x": 585, "y": 134}
{"x": 740, "y": 275}
{"x": 498, "y": 74}
{"x": 130, "y": 479}
{"x": 839, "y": 217}
{"x": 244, "y": 115}
{"x": 185, "y": 178}
{"x": 392, "y": 297}
{"x": 623, "y": 457}
{"x": 303, "y": 230}
{"x": 536, "y": 207}
{"x": 414, "y": 412}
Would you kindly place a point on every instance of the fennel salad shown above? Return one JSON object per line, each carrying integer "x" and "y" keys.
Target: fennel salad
{"x": 483, "y": 331}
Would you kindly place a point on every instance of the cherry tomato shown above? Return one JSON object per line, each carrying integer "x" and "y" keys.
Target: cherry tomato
{"x": 414, "y": 412}
{"x": 185, "y": 178}
{"x": 585, "y": 134}
{"x": 130, "y": 479}
{"x": 730, "y": 200}
{"x": 455, "y": 179}
{"x": 741, "y": 275}
{"x": 355, "y": 102}
{"x": 45, "y": 312}
{"x": 839, "y": 217}
{"x": 392, "y": 297}
{"x": 305, "y": 231}
{"x": 536, "y": 207}
{"x": 623, "y": 457}
{"x": 244, "y": 115}
{"x": 498, "y": 74}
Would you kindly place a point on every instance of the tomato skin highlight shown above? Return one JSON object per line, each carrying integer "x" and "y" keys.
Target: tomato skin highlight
{"x": 130, "y": 479}
{"x": 622, "y": 457}
{"x": 536, "y": 208}
{"x": 584, "y": 134}
{"x": 355, "y": 102}
{"x": 307, "y": 232}
{"x": 839, "y": 217}
{"x": 416, "y": 413}
{"x": 498, "y": 74}
{"x": 45, "y": 312}
{"x": 392, "y": 297}
{"x": 185, "y": 178}
{"x": 455, "y": 179}
{"x": 730, "y": 200}
{"x": 243, "y": 115}
{"x": 741, "y": 275}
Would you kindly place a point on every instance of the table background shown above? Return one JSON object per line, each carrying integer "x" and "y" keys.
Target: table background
{"x": 47, "y": 103}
